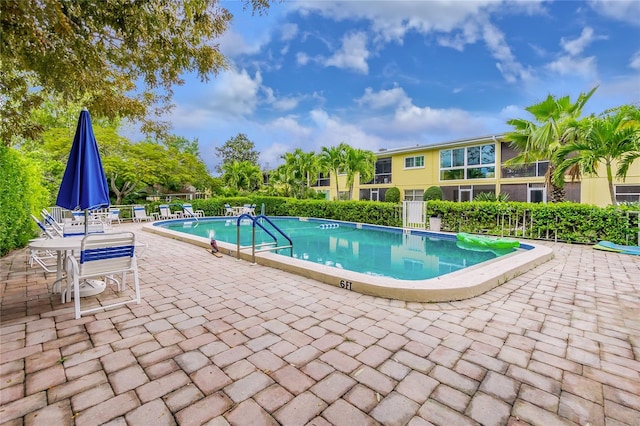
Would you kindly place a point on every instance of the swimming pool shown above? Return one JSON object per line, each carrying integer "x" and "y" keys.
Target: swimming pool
{"x": 389, "y": 262}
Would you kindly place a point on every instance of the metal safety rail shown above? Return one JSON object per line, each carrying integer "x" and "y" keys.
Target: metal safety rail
{"x": 268, "y": 246}
{"x": 185, "y": 213}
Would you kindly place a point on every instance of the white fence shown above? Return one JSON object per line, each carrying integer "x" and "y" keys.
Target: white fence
{"x": 414, "y": 214}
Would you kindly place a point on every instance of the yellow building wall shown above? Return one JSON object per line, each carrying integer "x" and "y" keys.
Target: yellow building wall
{"x": 594, "y": 189}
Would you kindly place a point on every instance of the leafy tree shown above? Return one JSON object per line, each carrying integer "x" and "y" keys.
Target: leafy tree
{"x": 611, "y": 140}
{"x": 242, "y": 176}
{"x": 99, "y": 53}
{"x": 279, "y": 181}
{"x": 556, "y": 121}
{"x": 181, "y": 144}
{"x": 297, "y": 171}
{"x": 292, "y": 172}
{"x": 333, "y": 159}
{"x": 358, "y": 162}
{"x": 238, "y": 148}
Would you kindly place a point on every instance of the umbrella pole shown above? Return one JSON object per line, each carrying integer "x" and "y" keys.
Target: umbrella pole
{"x": 86, "y": 222}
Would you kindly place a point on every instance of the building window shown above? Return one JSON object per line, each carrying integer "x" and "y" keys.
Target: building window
{"x": 627, "y": 193}
{"x": 536, "y": 193}
{"x": 413, "y": 194}
{"x": 414, "y": 162}
{"x": 474, "y": 162}
{"x": 382, "y": 172}
{"x": 323, "y": 179}
{"x": 537, "y": 169}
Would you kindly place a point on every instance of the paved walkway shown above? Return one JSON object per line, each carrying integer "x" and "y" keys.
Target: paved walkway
{"x": 217, "y": 341}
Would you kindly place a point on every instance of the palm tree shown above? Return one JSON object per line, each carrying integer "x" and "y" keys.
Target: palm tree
{"x": 332, "y": 160}
{"x": 309, "y": 166}
{"x": 241, "y": 175}
{"x": 611, "y": 140}
{"x": 292, "y": 171}
{"x": 358, "y": 161}
{"x": 556, "y": 123}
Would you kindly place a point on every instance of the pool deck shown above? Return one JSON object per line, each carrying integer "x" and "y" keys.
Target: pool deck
{"x": 219, "y": 341}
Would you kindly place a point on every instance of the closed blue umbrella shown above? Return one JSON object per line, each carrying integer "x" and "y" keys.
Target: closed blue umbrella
{"x": 84, "y": 184}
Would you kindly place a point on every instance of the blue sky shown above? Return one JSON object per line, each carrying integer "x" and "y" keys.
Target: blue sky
{"x": 389, "y": 74}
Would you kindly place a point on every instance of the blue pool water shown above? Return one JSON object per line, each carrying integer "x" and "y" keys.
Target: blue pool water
{"x": 367, "y": 249}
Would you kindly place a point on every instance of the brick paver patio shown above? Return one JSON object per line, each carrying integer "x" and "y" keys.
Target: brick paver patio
{"x": 220, "y": 341}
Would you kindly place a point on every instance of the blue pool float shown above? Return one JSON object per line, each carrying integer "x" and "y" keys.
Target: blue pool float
{"x": 484, "y": 241}
{"x": 617, "y": 248}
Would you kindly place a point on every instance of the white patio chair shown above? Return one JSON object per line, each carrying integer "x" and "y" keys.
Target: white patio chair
{"x": 165, "y": 212}
{"x": 103, "y": 256}
{"x": 228, "y": 210}
{"x": 189, "y": 212}
{"x": 140, "y": 214}
{"x": 114, "y": 216}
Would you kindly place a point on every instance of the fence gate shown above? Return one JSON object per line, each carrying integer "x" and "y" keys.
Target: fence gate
{"x": 414, "y": 214}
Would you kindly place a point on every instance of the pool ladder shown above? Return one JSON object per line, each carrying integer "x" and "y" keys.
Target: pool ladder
{"x": 268, "y": 246}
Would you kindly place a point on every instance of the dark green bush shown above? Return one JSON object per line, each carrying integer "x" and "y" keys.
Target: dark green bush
{"x": 432, "y": 193}
{"x": 392, "y": 195}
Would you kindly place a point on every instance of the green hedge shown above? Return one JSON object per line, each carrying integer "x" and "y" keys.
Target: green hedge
{"x": 353, "y": 211}
{"x": 21, "y": 194}
{"x": 568, "y": 222}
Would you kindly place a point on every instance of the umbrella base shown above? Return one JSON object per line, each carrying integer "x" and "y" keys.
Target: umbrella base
{"x": 91, "y": 288}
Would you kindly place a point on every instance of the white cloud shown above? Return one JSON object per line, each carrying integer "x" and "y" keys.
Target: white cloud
{"x": 622, "y": 10}
{"x": 383, "y": 98}
{"x": 455, "y": 24}
{"x": 302, "y": 58}
{"x": 567, "y": 65}
{"x": 510, "y": 68}
{"x": 233, "y": 44}
{"x": 234, "y": 93}
{"x": 412, "y": 118}
{"x": 352, "y": 55}
{"x": 280, "y": 103}
{"x": 634, "y": 62}
{"x": 576, "y": 46}
{"x": 288, "y": 32}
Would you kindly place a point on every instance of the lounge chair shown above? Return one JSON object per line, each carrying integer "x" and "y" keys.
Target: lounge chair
{"x": 51, "y": 224}
{"x": 103, "y": 256}
{"x": 250, "y": 209}
{"x": 228, "y": 210}
{"x": 140, "y": 214}
{"x": 45, "y": 231}
{"x": 114, "y": 216}
{"x": 75, "y": 229}
{"x": 165, "y": 212}
{"x": 189, "y": 212}
{"x": 45, "y": 258}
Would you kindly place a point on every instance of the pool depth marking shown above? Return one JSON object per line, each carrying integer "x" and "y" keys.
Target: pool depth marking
{"x": 458, "y": 285}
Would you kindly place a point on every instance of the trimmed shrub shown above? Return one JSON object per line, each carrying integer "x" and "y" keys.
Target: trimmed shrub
{"x": 432, "y": 193}
{"x": 392, "y": 195}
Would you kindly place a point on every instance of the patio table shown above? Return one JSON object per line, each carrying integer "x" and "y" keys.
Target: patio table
{"x": 64, "y": 247}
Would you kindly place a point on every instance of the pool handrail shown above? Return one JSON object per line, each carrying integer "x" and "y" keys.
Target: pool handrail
{"x": 254, "y": 220}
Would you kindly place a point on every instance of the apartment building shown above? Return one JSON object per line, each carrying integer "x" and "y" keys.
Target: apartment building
{"x": 464, "y": 168}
